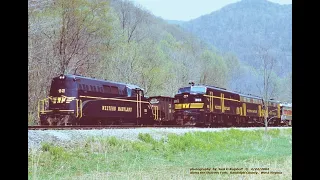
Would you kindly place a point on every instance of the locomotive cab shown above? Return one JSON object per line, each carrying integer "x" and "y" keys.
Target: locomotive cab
{"x": 63, "y": 90}
{"x": 133, "y": 91}
{"x": 192, "y": 94}
{"x": 62, "y": 104}
{"x": 188, "y": 104}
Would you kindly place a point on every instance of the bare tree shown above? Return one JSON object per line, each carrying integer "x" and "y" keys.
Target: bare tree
{"x": 41, "y": 64}
{"x": 267, "y": 85}
{"x": 77, "y": 32}
{"x": 131, "y": 18}
{"x": 63, "y": 37}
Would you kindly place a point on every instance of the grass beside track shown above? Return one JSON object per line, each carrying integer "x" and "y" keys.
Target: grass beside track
{"x": 170, "y": 158}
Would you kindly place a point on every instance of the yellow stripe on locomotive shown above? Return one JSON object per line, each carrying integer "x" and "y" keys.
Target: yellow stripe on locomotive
{"x": 189, "y": 106}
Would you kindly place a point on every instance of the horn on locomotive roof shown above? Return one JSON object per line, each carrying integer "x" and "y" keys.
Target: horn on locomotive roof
{"x": 74, "y": 78}
{"x": 191, "y": 83}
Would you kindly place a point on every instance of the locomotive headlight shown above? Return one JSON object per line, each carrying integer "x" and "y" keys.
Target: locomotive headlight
{"x": 197, "y": 99}
{"x": 61, "y": 76}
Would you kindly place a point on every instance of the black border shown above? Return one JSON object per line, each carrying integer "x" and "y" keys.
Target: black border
{"x": 13, "y": 115}
{"x": 305, "y": 93}
{"x": 296, "y": 54}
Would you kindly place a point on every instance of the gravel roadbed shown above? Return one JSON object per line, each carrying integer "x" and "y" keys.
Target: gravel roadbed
{"x": 69, "y": 137}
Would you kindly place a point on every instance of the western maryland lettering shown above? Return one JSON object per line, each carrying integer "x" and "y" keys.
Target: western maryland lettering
{"x": 115, "y": 108}
{"x": 125, "y": 109}
{"x": 252, "y": 111}
{"x": 273, "y": 113}
{"x": 109, "y": 108}
{"x": 225, "y": 108}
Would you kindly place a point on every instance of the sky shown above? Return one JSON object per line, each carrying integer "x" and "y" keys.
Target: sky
{"x": 185, "y": 10}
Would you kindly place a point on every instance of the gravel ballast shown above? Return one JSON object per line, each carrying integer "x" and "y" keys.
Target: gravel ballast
{"x": 69, "y": 137}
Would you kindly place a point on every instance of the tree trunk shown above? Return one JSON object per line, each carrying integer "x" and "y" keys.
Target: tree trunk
{"x": 266, "y": 119}
{"x": 265, "y": 125}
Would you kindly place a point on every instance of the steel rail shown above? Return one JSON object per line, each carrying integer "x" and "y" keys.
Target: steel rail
{"x": 47, "y": 127}
{"x": 88, "y": 127}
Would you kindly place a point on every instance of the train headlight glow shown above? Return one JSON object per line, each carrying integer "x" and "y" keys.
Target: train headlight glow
{"x": 197, "y": 99}
{"x": 61, "y": 76}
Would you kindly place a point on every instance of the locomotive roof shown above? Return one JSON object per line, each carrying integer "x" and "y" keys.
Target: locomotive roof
{"x": 216, "y": 88}
{"x": 161, "y": 97}
{"x": 131, "y": 86}
{"x": 235, "y": 92}
{"x": 286, "y": 104}
{"x": 257, "y": 97}
{"x": 273, "y": 100}
{"x": 222, "y": 89}
{"x": 250, "y": 96}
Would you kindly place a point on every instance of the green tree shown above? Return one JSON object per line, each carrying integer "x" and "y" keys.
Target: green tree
{"x": 63, "y": 37}
{"x": 214, "y": 69}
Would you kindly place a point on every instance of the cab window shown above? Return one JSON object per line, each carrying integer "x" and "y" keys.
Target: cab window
{"x": 106, "y": 89}
{"x": 114, "y": 90}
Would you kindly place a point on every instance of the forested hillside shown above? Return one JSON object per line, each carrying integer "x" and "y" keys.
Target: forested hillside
{"x": 119, "y": 41}
{"x": 251, "y": 29}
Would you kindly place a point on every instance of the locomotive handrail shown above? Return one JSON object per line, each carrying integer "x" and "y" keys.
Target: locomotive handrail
{"x": 140, "y": 105}
{"x": 77, "y": 107}
{"x": 80, "y": 103}
{"x": 156, "y": 113}
{"x": 41, "y": 108}
{"x": 137, "y": 105}
{"x": 139, "y": 101}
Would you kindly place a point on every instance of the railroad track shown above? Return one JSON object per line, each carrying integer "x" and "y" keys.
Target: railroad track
{"x": 80, "y": 127}
{"x": 84, "y": 127}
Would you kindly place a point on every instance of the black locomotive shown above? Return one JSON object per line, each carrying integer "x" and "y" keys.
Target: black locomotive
{"x": 204, "y": 105}
{"x": 81, "y": 100}
{"x": 78, "y": 100}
